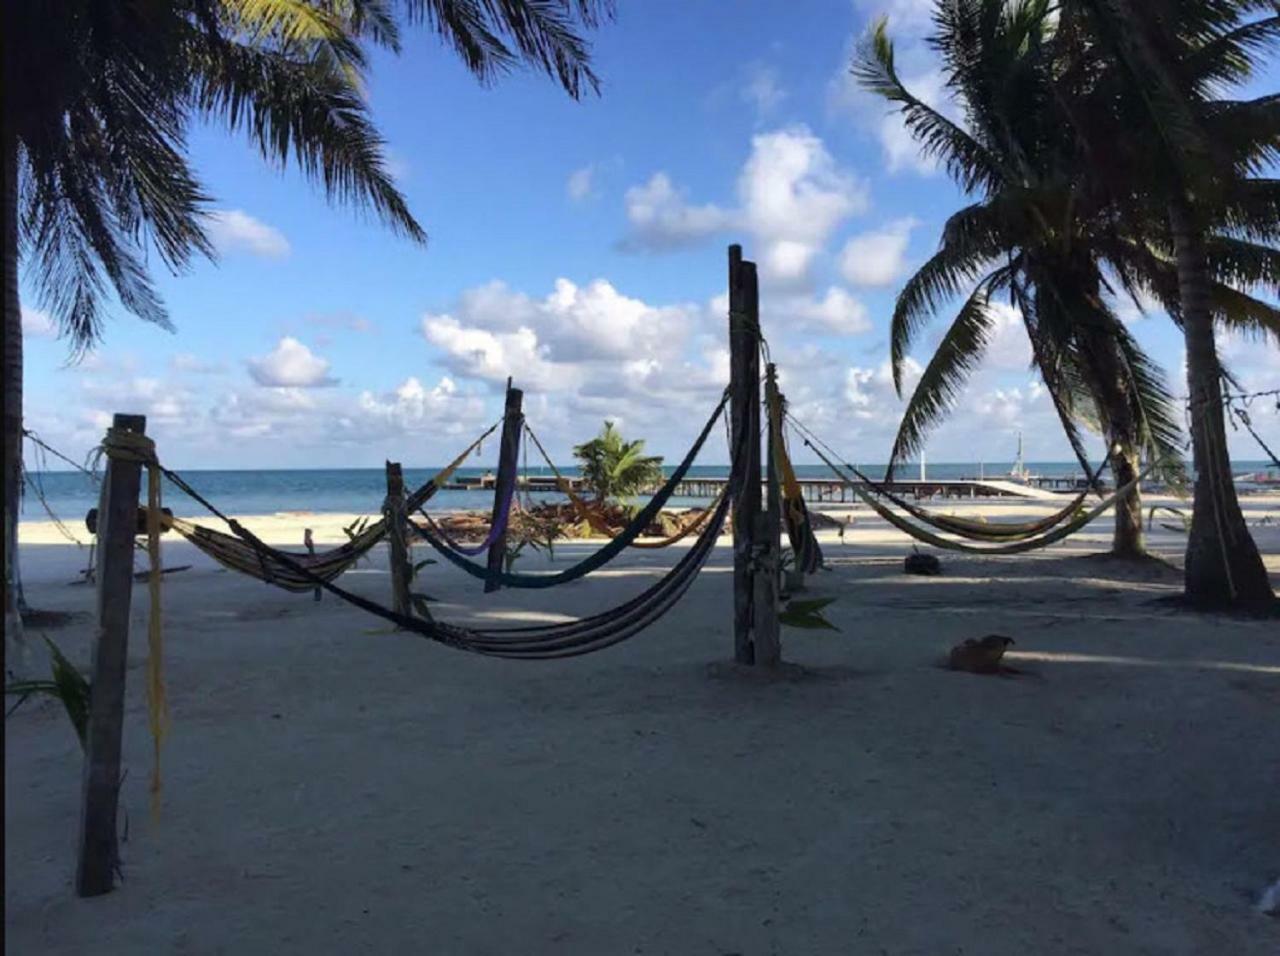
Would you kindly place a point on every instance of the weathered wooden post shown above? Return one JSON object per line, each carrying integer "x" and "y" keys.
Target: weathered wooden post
{"x": 399, "y": 550}
{"x": 117, "y": 526}
{"x": 744, "y": 416}
{"x": 504, "y": 487}
{"x": 767, "y": 635}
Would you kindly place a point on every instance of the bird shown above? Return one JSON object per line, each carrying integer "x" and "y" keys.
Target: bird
{"x": 979, "y": 655}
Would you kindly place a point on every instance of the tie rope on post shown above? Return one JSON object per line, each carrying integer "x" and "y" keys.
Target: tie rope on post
{"x": 122, "y": 445}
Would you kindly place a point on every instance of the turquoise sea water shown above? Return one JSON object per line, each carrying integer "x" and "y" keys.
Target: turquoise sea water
{"x": 360, "y": 490}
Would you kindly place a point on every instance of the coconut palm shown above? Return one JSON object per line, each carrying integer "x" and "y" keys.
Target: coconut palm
{"x": 1028, "y": 238}
{"x": 1047, "y": 234}
{"x": 614, "y": 468}
{"x": 1188, "y": 167}
{"x": 99, "y": 96}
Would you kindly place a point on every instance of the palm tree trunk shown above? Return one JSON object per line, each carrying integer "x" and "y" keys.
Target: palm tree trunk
{"x": 12, "y": 403}
{"x": 1223, "y": 567}
{"x": 1128, "y": 540}
{"x": 1113, "y": 393}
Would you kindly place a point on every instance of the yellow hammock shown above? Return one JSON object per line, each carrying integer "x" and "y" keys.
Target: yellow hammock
{"x": 1015, "y": 548}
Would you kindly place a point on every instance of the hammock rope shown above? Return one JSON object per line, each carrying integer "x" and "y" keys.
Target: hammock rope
{"x": 975, "y": 530}
{"x": 121, "y": 445}
{"x": 598, "y": 524}
{"x": 603, "y": 555}
{"x": 542, "y": 642}
{"x": 1018, "y": 547}
{"x": 795, "y": 514}
{"x": 233, "y": 553}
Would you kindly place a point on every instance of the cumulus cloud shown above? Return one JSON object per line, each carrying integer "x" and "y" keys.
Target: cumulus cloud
{"x": 291, "y": 365}
{"x": 837, "y": 311}
{"x": 234, "y": 230}
{"x": 38, "y": 324}
{"x": 495, "y": 332}
{"x": 581, "y": 182}
{"x": 877, "y": 258}
{"x": 791, "y": 197}
{"x": 661, "y": 218}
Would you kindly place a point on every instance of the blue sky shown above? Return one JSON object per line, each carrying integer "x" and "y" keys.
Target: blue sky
{"x": 580, "y": 247}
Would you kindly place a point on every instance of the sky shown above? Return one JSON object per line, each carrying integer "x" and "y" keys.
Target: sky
{"x": 579, "y": 247}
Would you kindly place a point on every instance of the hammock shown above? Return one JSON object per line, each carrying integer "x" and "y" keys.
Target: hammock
{"x": 598, "y": 524}
{"x": 600, "y": 557}
{"x": 1019, "y": 547}
{"x": 545, "y": 642}
{"x": 974, "y": 529}
{"x": 795, "y": 515}
{"x": 233, "y": 553}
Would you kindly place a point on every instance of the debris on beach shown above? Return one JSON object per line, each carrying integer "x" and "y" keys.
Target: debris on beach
{"x": 980, "y": 655}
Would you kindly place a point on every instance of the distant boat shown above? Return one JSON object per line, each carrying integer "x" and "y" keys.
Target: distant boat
{"x": 1019, "y": 470}
{"x": 1268, "y": 478}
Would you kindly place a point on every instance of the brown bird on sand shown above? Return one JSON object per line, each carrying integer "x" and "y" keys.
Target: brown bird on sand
{"x": 979, "y": 655}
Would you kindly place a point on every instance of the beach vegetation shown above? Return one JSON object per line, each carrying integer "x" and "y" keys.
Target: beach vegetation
{"x": 614, "y": 469}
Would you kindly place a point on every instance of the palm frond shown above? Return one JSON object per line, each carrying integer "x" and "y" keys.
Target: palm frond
{"x": 965, "y": 159}
{"x": 972, "y": 242}
{"x": 960, "y": 352}
{"x": 311, "y": 113}
{"x": 542, "y": 32}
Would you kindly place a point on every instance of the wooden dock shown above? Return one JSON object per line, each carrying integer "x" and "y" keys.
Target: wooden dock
{"x": 819, "y": 490}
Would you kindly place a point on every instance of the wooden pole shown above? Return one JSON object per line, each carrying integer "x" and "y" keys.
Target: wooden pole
{"x": 744, "y": 414}
{"x": 768, "y": 638}
{"x": 399, "y": 556}
{"x": 117, "y": 526}
{"x": 504, "y": 487}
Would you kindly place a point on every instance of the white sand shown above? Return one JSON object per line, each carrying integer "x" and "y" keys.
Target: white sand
{"x": 332, "y": 787}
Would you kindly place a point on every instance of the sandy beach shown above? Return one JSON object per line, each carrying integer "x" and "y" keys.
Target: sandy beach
{"x": 333, "y": 786}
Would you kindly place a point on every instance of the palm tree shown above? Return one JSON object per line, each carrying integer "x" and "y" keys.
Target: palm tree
{"x": 1027, "y": 237}
{"x": 615, "y": 468}
{"x": 1188, "y": 167}
{"x": 98, "y": 98}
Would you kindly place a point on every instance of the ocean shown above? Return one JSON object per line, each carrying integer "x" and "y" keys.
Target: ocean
{"x": 69, "y": 495}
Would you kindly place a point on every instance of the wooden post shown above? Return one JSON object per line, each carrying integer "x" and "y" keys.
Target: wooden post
{"x": 768, "y": 639}
{"x": 117, "y": 510}
{"x": 744, "y": 414}
{"x": 504, "y": 487}
{"x": 399, "y": 551}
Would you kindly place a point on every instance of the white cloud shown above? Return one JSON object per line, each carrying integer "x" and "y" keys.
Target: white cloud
{"x": 291, "y": 365}
{"x": 762, "y": 89}
{"x": 493, "y": 356}
{"x": 581, "y": 182}
{"x": 233, "y": 230}
{"x": 877, "y": 258}
{"x": 38, "y": 324}
{"x": 661, "y": 218}
{"x": 837, "y": 311}
{"x": 791, "y": 197}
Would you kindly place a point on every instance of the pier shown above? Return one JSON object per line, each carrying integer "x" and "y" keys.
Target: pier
{"x": 820, "y": 490}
